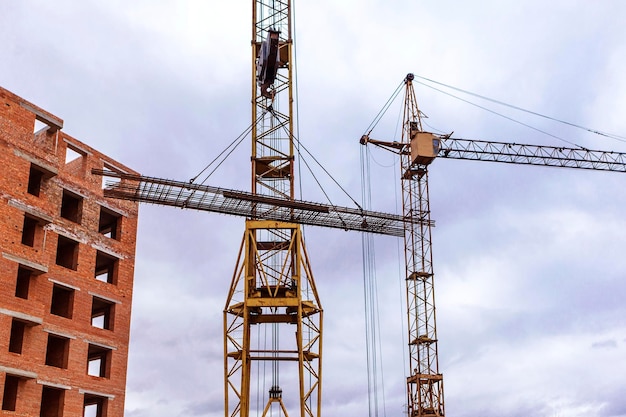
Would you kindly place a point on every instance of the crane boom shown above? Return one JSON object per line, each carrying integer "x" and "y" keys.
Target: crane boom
{"x": 512, "y": 153}
{"x": 240, "y": 203}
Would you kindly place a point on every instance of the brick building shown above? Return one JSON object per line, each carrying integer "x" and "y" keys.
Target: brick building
{"x": 66, "y": 271}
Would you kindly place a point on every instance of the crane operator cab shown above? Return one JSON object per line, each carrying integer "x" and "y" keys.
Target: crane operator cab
{"x": 267, "y": 63}
{"x": 424, "y": 146}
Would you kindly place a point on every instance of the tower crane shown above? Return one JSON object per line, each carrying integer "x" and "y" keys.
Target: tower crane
{"x": 417, "y": 150}
{"x": 272, "y": 292}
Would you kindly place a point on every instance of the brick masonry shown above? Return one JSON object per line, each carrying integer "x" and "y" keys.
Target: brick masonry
{"x": 28, "y": 320}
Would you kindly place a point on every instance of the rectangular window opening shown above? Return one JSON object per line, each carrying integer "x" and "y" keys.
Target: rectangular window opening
{"x": 22, "y": 282}
{"x": 35, "y": 179}
{"x": 72, "y": 155}
{"x": 39, "y": 126}
{"x": 57, "y": 351}
{"x": 30, "y": 231}
{"x": 62, "y": 301}
{"x": 95, "y": 406}
{"x": 110, "y": 182}
{"x": 109, "y": 224}
{"x": 9, "y": 399}
{"x": 102, "y": 313}
{"x": 67, "y": 253}
{"x": 52, "y": 400}
{"x": 71, "y": 207}
{"x": 106, "y": 268}
{"x": 16, "y": 340}
{"x": 98, "y": 361}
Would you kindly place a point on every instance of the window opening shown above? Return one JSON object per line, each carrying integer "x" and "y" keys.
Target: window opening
{"x": 110, "y": 182}
{"x": 62, "y": 301}
{"x": 71, "y": 155}
{"x": 95, "y": 406}
{"x": 109, "y": 224}
{"x": 9, "y": 399}
{"x": 102, "y": 313}
{"x": 22, "y": 282}
{"x": 71, "y": 207}
{"x": 57, "y": 351}
{"x": 29, "y": 231}
{"x": 67, "y": 253}
{"x": 39, "y": 126}
{"x": 16, "y": 340}
{"x": 35, "y": 179}
{"x": 106, "y": 268}
{"x": 52, "y": 402}
{"x": 98, "y": 361}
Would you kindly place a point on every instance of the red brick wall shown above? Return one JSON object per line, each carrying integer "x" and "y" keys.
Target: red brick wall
{"x": 19, "y": 147}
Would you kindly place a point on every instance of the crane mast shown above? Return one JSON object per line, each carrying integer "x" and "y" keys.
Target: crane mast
{"x": 424, "y": 382}
{"x": 417, "y": 149}
{"x": 273, "y": 315}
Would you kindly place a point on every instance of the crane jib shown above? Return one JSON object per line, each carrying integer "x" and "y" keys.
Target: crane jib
{"x": 512, "y": 153}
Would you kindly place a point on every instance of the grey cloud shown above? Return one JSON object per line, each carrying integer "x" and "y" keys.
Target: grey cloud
{"x": 605, "y": 344}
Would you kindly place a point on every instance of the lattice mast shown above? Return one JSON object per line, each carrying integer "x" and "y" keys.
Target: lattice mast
{"x": 273, "y": 317}
{"x": 424, "y": 382}
{"x": 417, "y": 149}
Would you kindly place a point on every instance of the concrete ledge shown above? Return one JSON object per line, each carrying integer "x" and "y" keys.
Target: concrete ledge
{"x": 31, "y": 210}
{"x": 43, "y": 116}
{"x": 21, "y": 316}
{"x": 91, "y": 342}
{"x": 18, "y": 372}
{"x": 33, "y": 266}
{"x": 63, "y": 284}
{"x": 53, "y": 385}
{"x": 44, "y": 166}
{"x": 102, "y": 297}
{"x": 57, "y": 333}
{"x": 99, "y": 394}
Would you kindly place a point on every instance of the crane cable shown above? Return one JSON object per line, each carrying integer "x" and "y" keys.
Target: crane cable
{"x": 375, "y": 380}
{"x": 384, "y": 109}
{"x": 234, "y": 144}
{"x": 301, "y": 157}
{"x": 554, "y": 119}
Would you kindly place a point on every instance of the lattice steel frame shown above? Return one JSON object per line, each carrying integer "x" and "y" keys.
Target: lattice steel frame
{"x": 272, "y": 290}
{"x": 264, "y": 293}
{"x": 424, "y": 382}
{"x": 272, "y": 131}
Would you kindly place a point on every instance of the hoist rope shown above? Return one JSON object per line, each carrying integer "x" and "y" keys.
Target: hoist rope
{"x": 501, "y": 115}
{"x": 384, "y": 109}
{"x": 234, "y": 144}
{"x": 375, "y": 380}
{"x": 301, "y": 145}
{"x": 554, "y": 119}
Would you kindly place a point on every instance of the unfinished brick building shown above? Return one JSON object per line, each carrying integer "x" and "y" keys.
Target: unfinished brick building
{"x": 66, "y": 271}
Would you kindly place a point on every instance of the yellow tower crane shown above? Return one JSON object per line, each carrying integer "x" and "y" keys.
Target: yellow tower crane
{"x": 417, "y": 150}
{"x": 273, "y": 314}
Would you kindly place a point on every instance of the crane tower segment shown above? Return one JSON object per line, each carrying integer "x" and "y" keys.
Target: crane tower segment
{"x": 417, "y": 149}
{"x": 273, "y": 315}
{"x": 424, "y": 381}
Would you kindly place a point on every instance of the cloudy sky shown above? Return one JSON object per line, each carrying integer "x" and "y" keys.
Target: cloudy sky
{"x": 529, "y": 262}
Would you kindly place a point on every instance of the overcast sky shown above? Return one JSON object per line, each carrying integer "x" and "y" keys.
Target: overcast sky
{"x": 530, "y": 262}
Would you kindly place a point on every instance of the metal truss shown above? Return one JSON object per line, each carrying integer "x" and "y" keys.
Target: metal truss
{"x": 241, "y": 203}
{"x": 551, "y": 156}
